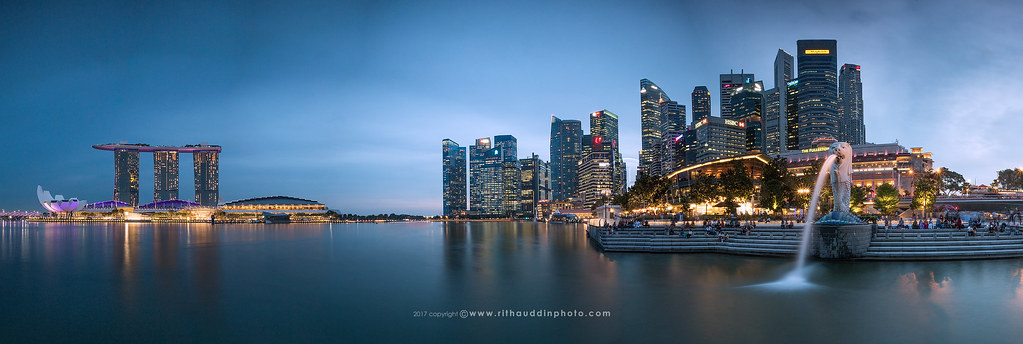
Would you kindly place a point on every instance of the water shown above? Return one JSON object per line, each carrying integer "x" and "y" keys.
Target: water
{"x": 363, "y": 282}
{"x": 811, "y": 214}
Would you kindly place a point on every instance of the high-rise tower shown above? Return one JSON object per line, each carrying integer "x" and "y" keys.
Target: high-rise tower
{"x": 566, "y": 150}
{"x": 604, "y": 136}
{"x": 701, "y": 103}
{"x": 650, "y": 98}
{"x": 454, "y": 177}
{"x": 207, "y": 177}
{"x": 126, "y": 176}
{"x": 850, "y": 105}
{"x": 673, "y": 124}
{"x": 165, "y": 171}
{"x": 818, "y": 91}
{"x": 729, "y": 83}
{"x": 476, "y": 154}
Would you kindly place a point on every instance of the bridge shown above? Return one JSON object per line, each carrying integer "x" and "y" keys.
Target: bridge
{"x": 982, "y": 203}
{"x": 17, "y": 215}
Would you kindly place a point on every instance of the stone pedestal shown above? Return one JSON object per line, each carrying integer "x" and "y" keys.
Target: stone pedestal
{"x": 840, "y": 241}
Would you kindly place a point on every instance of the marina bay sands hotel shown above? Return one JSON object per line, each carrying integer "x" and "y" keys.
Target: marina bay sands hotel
{"x": 206, "y": 160}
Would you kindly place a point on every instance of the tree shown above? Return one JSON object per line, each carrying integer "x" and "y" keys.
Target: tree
{"x": 703, "y": 189}
{"x": 857, "y": 195}
{"x": 1009, "y": 179}
{"x": 776, "y": 185}
{"x": 886, "y": 198}
{"x": 804, "y": 185}
{"x": 736, "y": 184}
{"x": 925, "y": 191}
{"x": 951, "y": 182}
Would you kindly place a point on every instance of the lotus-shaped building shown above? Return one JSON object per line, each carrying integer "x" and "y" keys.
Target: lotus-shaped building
{"x": 58, "y": 204}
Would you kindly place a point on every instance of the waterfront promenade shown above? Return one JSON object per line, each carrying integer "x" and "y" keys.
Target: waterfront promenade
{"x": 772, "y": 240}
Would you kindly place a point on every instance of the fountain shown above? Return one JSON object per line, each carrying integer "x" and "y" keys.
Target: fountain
{"x": 839, "y": 234}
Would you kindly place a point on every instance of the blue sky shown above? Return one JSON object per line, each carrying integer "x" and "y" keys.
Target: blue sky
{"x": 347, "y": 102}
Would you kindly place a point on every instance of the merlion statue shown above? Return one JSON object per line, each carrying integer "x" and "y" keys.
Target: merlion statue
{"x": 841, "y": 184}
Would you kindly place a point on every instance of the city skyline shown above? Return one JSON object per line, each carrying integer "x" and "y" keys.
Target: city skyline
{"x": 285, "y": 89}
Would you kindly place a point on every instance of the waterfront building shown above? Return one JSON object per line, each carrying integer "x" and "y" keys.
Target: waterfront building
{"x": 747, "y": 108}
{"x": 126, "y": 176}
{"x": 850, "y": 105}
{"x": 165, "y": 170}
{"x": 476, "y": 154}
{"x": 701, "y": 103}
{"x": 791, "y": 115}
{"x": 673, "y": 124}
{"x": 207, "y": 177}
{"x": 730, "y": 82}
{"x": 274, "y": 204}
{"x": 492, "y": 186}
{"x": 682, "y": 179}
{"x": 873, "y": 164}
{"x": 818, "y": 90}
{"x": 719, "y": 138}
{"x": 536, "y": 185}
{"x": 783, "y": 74}
{"x": 566, "y": 150}
{"x": 596, "y": 177}
{"x": 454, "y": 175}
{"x": 650, "y": 98}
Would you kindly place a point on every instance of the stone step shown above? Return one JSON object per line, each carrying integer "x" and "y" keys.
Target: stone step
{"x": 944, "y": 248}
{"x": 932, "y": 242}
{"x": 973, "y": 254}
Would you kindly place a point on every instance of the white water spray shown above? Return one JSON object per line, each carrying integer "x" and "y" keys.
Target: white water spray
{"x": 811, "y": 214}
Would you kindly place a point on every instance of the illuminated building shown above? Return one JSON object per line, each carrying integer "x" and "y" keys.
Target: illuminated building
{"x": 274, "y": 204}
{"x": 792, "y": 115}
{"x": 873, "y": 164}
{"x": 850, "y": 105}
{"x": 126, "y": 176}
{"x": 596, "y": 177}
{"x": 508, "y": 145}
{"x": 753, "y": 163}
{"x": 773, "y": 123}
{"x": 165, "y": 170}
{"x": 747, "y": 108}
{"x": 476, "y": 154}
{"x": 491, "y": 186}
{"x": 650, "y": 98}
{"x": 818, "y": 90}
{"x": 536, "y": 185}
{"x": 673, "y": 124}
{"x": 719, "y": 138}
{"x": 701, "y": 103}
{"x": 206, "y": 159}
{"x": 730, "y": 82}
{"x": 206, "y": 164}
{"x": 454, "y": 177}
{"x": 566, "y": 150}
{"x": 604, "y": 138}
{"x": 511, "y": 187}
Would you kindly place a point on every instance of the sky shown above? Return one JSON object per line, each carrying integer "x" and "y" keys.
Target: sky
{"x": 346, "y": 103}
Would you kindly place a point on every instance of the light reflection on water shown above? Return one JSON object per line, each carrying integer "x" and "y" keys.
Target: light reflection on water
{"x": 188, "y": 282}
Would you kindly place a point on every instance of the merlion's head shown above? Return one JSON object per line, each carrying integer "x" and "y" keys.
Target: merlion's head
{"x": 841, "y": 149}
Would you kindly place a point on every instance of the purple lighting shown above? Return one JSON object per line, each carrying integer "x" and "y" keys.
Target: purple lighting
{"x": 149, "y": 149}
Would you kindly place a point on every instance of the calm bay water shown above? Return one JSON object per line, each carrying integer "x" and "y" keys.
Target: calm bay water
{"x": 365, "y": 282}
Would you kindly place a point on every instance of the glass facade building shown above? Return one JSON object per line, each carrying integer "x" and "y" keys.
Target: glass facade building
{"x": 126, "y": 176}
{"x": 566, "y": 151}
{"x": 536, "y": 185}
{"x": 673, "y": 124}
{"x": 477, "y": 153}
{"x": 650, "y": 98}
{"x": 207, "y": 177}
{"x": 747, "y": 108}
{"x": 850, "y": 105}
{"x": 604, "y": 137}
{"x": 729, "y": 83}
{"x": 719, "y": 138}
{"x": 701, "y": 103}
{"x": 165, "y": 171}
{"x": 818, "y": 91}
{"x": 454, "y": 177}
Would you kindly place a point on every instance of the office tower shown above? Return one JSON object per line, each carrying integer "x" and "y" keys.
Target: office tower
{"x": 818, "y": 91}
{"x": 126, "y": 176}
{"x": 454, "y": 177}
{"x": 566, "y": 150}
{"x": 508, "y": 145}
{"x": 673, "y": 124}
{"x": 492, "y": 186}
{"x": 850, "y": 104}
{"x": 650, "y": 98}
{"x": 597, "y": 177}
{"x": 207, "y": 177}
{"x": 604, "y": 136}
{"x": 690, "y": 145}
{"x": 718, "y": 138}
{"x": 587, "y": 145}
{"x": 536, "y": 185}
{"x": 701, "y": 103}
{"x": 783, "y": 73}
{"x": 165, "y": 172}
{"x": 511, "y": 187}
{"x": 730, "y": 82}
{"x": 792, "y": 115}
{"x": 773, "y": 123}
{"x": 477, "y": 153}
{"x": 747, "y": 108}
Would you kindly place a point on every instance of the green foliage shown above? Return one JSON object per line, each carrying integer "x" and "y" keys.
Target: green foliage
{"x": 1009, "y": 179}
{"x": 886, "y": 198}
{"x": 925, "y": 191}
{"x": 736, "y": 184}
{"x": 777, "y": 185}
{"x": 704, "y": 189}
{"x": 951, "y": 182}
{"x": 858, "y": 195}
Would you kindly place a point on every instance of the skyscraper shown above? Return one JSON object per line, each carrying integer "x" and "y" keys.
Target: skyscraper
{"x": 818, "y": 91}
{"x": 850, "y": 105}
{"x": 566, "y": 150}
{"x": 492, "y": 186}
{"x": 730, "y": 82}
{"x": 747, "y": 108}
{"x": 477, "y": 153}
{"x": 792, "y": 115}
{"x": 511, "y": 187}
{"x": 536, "y": 185}
{"x": 701, "y": 103}
{"x": 454, "y": 177}
{"x": 165, "y": 171}
{"x": 718, "y": 138}
{"x": 673, "y": 124}
{"x": 775, "y": 115}
{"x": 126, "y": 176}
{"x": 650, "y": 98}
{"x": 207, "y": 176}
{"x": 782, "y": 68}
{"x": 508, "y": 145}
{"x": 604, "y": 137}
